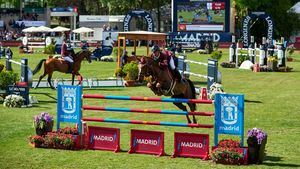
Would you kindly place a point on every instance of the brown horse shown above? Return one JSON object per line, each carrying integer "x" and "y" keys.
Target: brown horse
{"x": 57, "y": 64}
{"x": 162, "y": 83}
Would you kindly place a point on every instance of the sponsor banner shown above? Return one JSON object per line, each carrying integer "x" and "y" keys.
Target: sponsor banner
{"x": 103, "y": 138}
{"x": 229, "y": 115}
{"x": 191, "y": 145}
{"x": 197, "y": 39}
{"x": 138, "y": 13}
{"x": 21, "y": 91}
{"x": 32, "y": 23}
{"x": 93, "y": 18}
{"x": 69, "y": 104}
{"x": 101, "y": 18}
{"x": 201, "y": 27}
{"x": 147, "y": 142}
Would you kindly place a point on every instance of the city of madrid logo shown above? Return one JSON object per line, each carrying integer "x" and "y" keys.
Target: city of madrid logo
{"x": 69, "y": 100}
{"x": 229, "y": 110}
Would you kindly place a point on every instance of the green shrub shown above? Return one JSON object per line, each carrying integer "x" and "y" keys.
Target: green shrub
{"x": 50, "y": 49}
{"x": 1, "y": 67}
{"x": 243, "y": 57}
{"x": 7, "y": 78}
{"x": 119, "y": 72}
{"x": 131, "y": 70}
{"x": 115, "y": 52}
{"x": 216, "y": 55}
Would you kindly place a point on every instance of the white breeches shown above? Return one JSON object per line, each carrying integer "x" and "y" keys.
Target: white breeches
{"x": 68, "y": 59}
{"x": 172, "y": 64}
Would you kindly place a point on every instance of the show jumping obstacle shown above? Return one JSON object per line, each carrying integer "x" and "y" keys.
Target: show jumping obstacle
{"x": 212, "y": 69}
{"x": 21, "y": 88}
{"x": 143, "y": 134}
{"x": 142, "y": 141}
{"x": 228, "y": 119}
{"x": 265, "y": 50}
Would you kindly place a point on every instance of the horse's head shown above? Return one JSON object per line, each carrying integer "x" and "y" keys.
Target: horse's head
{"x": 85, "y": 54}
{"x": 144, "y": 68}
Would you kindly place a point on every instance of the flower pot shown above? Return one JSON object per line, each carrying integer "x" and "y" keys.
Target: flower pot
{"x": 256, "y": 151}
{"x": 129, "y": 83}
{"x": 261, "y": 152}
{"x": 272, "y": 65}
{"x": 45, "y": 130}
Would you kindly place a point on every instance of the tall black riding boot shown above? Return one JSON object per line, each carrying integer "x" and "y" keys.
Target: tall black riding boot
{"x": 70, "y": 67}
{"x": 177, "y": 75}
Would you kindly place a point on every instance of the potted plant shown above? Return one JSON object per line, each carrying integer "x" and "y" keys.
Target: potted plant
{"x": 216, "y": 55}
{"x": 131, "y": 70}
{"x": 289, "y": 51}
{"x": 256, "y": 140}
{"x": 228, "y": 151}
{"x": 119, "y": 73}
{"x": 43, "y": 123}
{"x": 37, "y": 141}
{"x": 7, "y": 78}
{"x": 13, "y": 101}
{"x": 272, "y": 62}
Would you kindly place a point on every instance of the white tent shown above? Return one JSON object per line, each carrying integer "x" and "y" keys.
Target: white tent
{"x": 83, "y": 30}
{"x": 296, "y": 8}
{"x": 30, "y": 29}
{"x": 59, "y": 29}
{"x": 42, "y": 29}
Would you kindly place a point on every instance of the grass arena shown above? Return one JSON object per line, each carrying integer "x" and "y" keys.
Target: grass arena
{"x": 271, "y": 103}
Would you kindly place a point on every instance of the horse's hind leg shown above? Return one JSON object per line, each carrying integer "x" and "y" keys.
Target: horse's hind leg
{"x": 193, "y": 108}
{"x": 41, "y": 77}
{"x": 49, "y": 80}
{"x": 183, "y": 108}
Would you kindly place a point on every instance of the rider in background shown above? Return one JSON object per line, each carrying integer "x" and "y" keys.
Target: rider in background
{"x": 165, "y": 60}
{"x": 67, "y": 54}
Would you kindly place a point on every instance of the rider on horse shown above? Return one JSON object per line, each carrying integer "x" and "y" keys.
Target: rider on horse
{"x": 165, "y": 60}
{"x": 67, "y": 53}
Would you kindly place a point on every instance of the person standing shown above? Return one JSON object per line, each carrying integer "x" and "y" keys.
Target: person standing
{"x": 8, "y": 53}
{"x": 124, "y": 59}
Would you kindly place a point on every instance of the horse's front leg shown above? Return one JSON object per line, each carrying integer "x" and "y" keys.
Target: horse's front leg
{"x": 79, "y": 78}
{"x": 73, "y": 77}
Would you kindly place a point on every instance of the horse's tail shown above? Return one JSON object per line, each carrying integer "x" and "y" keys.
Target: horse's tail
{"x": 193, "y": 90}
{"x": 38, "y": 67}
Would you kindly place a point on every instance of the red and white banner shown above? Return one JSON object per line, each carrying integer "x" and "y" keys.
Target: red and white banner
{"x": 191, "y": 145}
{"x": 147, "y": 142}
{"x": 103, "y": 138}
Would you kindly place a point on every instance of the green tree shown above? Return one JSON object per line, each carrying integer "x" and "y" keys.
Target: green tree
{"x": 285, "y": 22}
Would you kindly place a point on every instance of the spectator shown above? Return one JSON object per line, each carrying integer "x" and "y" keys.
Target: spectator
{"x": 124, "y": 58}
{"x": 8, "y": 53}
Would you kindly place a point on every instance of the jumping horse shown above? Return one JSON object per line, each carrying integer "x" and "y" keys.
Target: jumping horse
{"x": 162, "y": 83}
{"x": 58, "y": 64}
